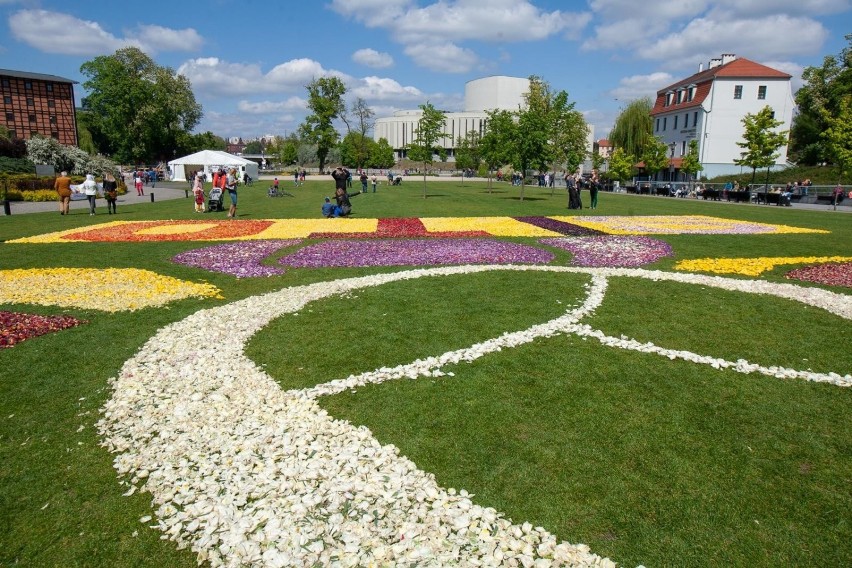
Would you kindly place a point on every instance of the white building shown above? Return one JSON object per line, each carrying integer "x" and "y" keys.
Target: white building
{"x": 489, "y": 93}
{"x": 709, "y": 107}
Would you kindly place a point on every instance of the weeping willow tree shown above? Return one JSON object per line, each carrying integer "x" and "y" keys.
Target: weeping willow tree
{"x": 634, "y": 127}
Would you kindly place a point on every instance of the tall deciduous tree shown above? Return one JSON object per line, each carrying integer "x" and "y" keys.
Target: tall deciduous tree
{"x": 621, "y": 165}
{"x": 691, "y": 165}
{"x": 497, "y": 143}
{"x": 532, "y": 146}
{"x": 424, "y": 146}
{"x": 838, "y": 136}
{"x": 634, "y": 127}
{"x": 817, "y": 100}
{"x": 568, "y": 134}
{"x": 382, "y": 155}
{"x": 360, "y": 121}
{"x": 325, "y": 100}
{"x": 138, "y": 109}
{"x": 656, "y": 155}
{"x": 467, "y": 152}
{"x": 760, "y": 141}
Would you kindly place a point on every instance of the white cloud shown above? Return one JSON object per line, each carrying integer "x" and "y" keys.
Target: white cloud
{"x": 270, "y": 107}
{"x": 55, "y": 32}
{"x": 447, "y": 57}
{"x": 638, "y": 86}
{"x": 372, "y": 58}
{"x": 384, "y": 89}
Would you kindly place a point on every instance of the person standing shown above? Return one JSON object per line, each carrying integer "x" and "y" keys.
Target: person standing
{"x": 364, "y": 180}
{"x": 594, "y": 186}
{"x": 137, "y": 181}
{"x": 374, "y": 180}
{"x": 90, "y": 188}
{"x": 198, "y": 193}
{"x": 231, "y": 186}
{"x": 62, "y": 185}
{"x": 340, "y": 175}
{"x": 110, "y": 192}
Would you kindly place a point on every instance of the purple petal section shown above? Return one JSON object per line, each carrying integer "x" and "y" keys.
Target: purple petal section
{"x": 241, "y": 259}
{"x": 414, "y": 252}
{"x": 560, "y": 227}
{"x": 612, "y": 251}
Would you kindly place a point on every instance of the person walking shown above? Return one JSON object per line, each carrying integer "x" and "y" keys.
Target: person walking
{"x": 375, "y": 181}
{"x": 62, "y": 185}
{"x": 231, "y": 186}
{"x": 110, "y": 192}
{"x": 137, "y": 181}
{"x": 90, "y": 188}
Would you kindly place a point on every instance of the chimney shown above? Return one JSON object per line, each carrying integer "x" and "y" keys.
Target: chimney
{"x": 700, "y": 67}
{"x": 728, "y": 57}
{"x": 715, "y": 62}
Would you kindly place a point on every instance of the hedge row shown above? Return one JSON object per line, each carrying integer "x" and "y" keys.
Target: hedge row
{"x": 27, "y": 187}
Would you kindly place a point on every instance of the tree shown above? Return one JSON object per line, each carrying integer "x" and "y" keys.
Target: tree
{"x": 325, "y": 100}
{"x": 838, "y": 137}
{"x": 202, "y": 141}
{"x": 360, "y": 122}
{"x": 568, "y": 135}
{"x": 760, "y": 141}
{"x": 356, "y": 148}
{"x": 634, "y": 127}
{"x": 467, "y": 152}
{"x": 532, "y": 147}
{"x": 690, "y": 164}
{"x": 382, "y": 155}
{"x": 138, "y": 109}
{"x": 656, "y": 156}
{"x": 621, "y": 165}
{"x": 41, "y": 150}
{"x": 254, "y": 147}
{"x": 424, "y": 146}
{"x": 820, "y": 97}
{"x": 498, "y": 141}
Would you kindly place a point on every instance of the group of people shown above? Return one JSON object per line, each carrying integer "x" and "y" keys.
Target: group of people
{"x": 575, "y": 182}
{"x": 89, "y": 188}
{"x": 341, "y": 206}
{"x": 223, "y": 181}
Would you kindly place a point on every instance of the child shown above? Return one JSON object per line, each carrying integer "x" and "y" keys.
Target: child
{"x": 329, "y": 210}
{"x": 199, "y": 195}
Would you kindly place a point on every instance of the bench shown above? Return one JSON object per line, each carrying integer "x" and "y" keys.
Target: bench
{"x": 713, "y": 194}
{"x": 830, "y": 198}
{"x": 768, "y": 198}
{"x": 742, "y": 195}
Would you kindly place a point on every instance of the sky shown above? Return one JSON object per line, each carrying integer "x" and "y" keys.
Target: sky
{"x": 250, "y": 60}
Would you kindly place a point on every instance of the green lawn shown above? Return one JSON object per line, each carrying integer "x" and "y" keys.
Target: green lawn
{"x": 646, "y": 460}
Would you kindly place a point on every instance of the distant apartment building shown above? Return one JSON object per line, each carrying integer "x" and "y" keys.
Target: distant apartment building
{"x": 604, "y": 148}
{"x": 34, "y": 103}
{"x": 709, "y": 107}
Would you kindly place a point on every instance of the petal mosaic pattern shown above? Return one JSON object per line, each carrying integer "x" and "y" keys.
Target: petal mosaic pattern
{"x": 106, "y": 289}
{"x": 829, "y": 274}
{"x": 414, "y": 252}
{"x": 16, "y": 327}
{"x": 242, "y": 259}
{"x": 750, "y": 266}
{"x": 679, "y": 225}
{"x": 402, "y": 227}
{"x": 612, "y": 251}
{"x": 561, "y": 227}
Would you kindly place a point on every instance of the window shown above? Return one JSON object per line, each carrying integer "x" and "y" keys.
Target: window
{"x": 683, "y": 148}
{"x": 679, "y": 97}
{"x": 30, "y": 103}
{"x": 657, "y": 127}
{"x": 54, "y": 135}
{"x": 686, "y": 120}
{"x": 7, "y": 100}
{"x": 13, "y": 134}
{"x": 10, "y": 116}
{"x": 669, "y": 98}
{"x": 49, "y": 87}
{"x": 761, "y": 92}
{"x": 32, "y": 118}
{"x": 52, "y": 119}
{"x": 6, "y": 83}
{"x": 691, "y": 93}
{"x": 738, "y": 91}
{"x": 665, "y": 119}
{"x": 695, "y": 119}
{"x": 28, "y": 85}
{"x": 51, "y": 103}
{"x": 675, "y": 122}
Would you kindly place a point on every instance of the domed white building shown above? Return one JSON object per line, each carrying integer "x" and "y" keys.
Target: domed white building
{"x": 489, "y": 93}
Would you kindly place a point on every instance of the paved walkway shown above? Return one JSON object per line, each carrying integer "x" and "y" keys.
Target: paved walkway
{"x": 175, "y": 190}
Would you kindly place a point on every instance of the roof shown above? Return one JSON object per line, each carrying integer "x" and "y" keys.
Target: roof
{"x": 703, "y": 80}
{"x": 211, "y": 157}
{"x": 604, "y": 142}
{"x": 36, "y": 76}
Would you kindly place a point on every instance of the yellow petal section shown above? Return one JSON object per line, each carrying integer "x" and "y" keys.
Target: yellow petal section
{"x": 105, "y": 289}
{"x": 496, "y": 226}
{"x": 751, "y": 266}
{"x": 303, "y": 228}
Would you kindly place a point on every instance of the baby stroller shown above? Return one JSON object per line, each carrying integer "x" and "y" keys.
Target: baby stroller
{"x": 397, "y": 180}
{"x": 214, "y": 202}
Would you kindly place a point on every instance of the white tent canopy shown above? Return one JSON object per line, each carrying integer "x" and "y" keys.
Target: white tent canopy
{"x": 207, "y": 161}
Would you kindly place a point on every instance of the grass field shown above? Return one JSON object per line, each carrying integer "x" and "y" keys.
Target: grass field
{"x": 646, "y": 459}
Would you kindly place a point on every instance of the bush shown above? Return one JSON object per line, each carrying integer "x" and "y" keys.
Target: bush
{"x": 16, "y": 165}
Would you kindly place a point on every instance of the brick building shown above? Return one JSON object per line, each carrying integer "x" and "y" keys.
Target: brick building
{"x": 34, "y": 103}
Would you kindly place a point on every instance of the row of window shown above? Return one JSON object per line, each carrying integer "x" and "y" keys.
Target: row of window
{"x": 28, "y": 85}
{"x": 7, "y": 99}
{"x": 761, "y": 92}
{"x": 683, "y": 95}
{"x": 665, "y": 122}
{"x": 10, "y": 117}
{"x": 14, "y": 134}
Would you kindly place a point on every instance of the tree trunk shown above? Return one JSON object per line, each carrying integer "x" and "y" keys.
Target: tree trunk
{"x": 424, "y": 180}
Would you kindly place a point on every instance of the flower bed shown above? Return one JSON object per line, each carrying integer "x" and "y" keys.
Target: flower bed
{"x": 750, "y": 266}
{"x": 561, "y": 227}
{"x": 16, "y": 327}
{"x": 414, "y": 252}
{"x": 108, "y": 289}
{"x": 400, "y": 227}
{"x": 242, "y": 259}
{"x": 829, "y": 274}
{"x": 679, "y": 225}
{"x": 612, "y": 251}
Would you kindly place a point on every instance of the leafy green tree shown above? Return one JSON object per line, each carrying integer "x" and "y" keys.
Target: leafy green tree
{"x": 634, "y": 127}
{"x": 532, "y": 147}
{"x": 360, "y": 121}
{"x": 204, "y": 141}
{"x": 355, "y": 149}
{"x": 306, "y": 153}
{"x": 568, "y": 135}
{"x": 656, "y": 156}
{"x": 424, "y": 146}
{"x": 138, "y": 109}
{"x": 325, "y": 100}
{"x": 467, "y": 152}
{"x": 691, "y": 165}
{"x": 254, "y": 147}
{"x": 760, "y": 141}
{"x": 819, "y": 98}
{"x": 498, "y": 141}
{"x": 382, "y": 155}
{"x": 621, "y": 165}
{"x": 838, "y": 136}
{"x": 84, "y": 136}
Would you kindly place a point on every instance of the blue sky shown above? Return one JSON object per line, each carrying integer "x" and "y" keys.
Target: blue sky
{"x": 249, "y": 60}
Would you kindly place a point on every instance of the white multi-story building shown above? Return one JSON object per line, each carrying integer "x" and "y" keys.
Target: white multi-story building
{"x": 709, "y": 107}
{"x": 489, "y": 93}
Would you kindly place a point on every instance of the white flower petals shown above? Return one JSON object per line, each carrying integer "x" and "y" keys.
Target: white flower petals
{"x": 247, "y": 474}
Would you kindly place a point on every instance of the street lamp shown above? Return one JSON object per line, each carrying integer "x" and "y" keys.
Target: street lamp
{"x": 671, "y": 161}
